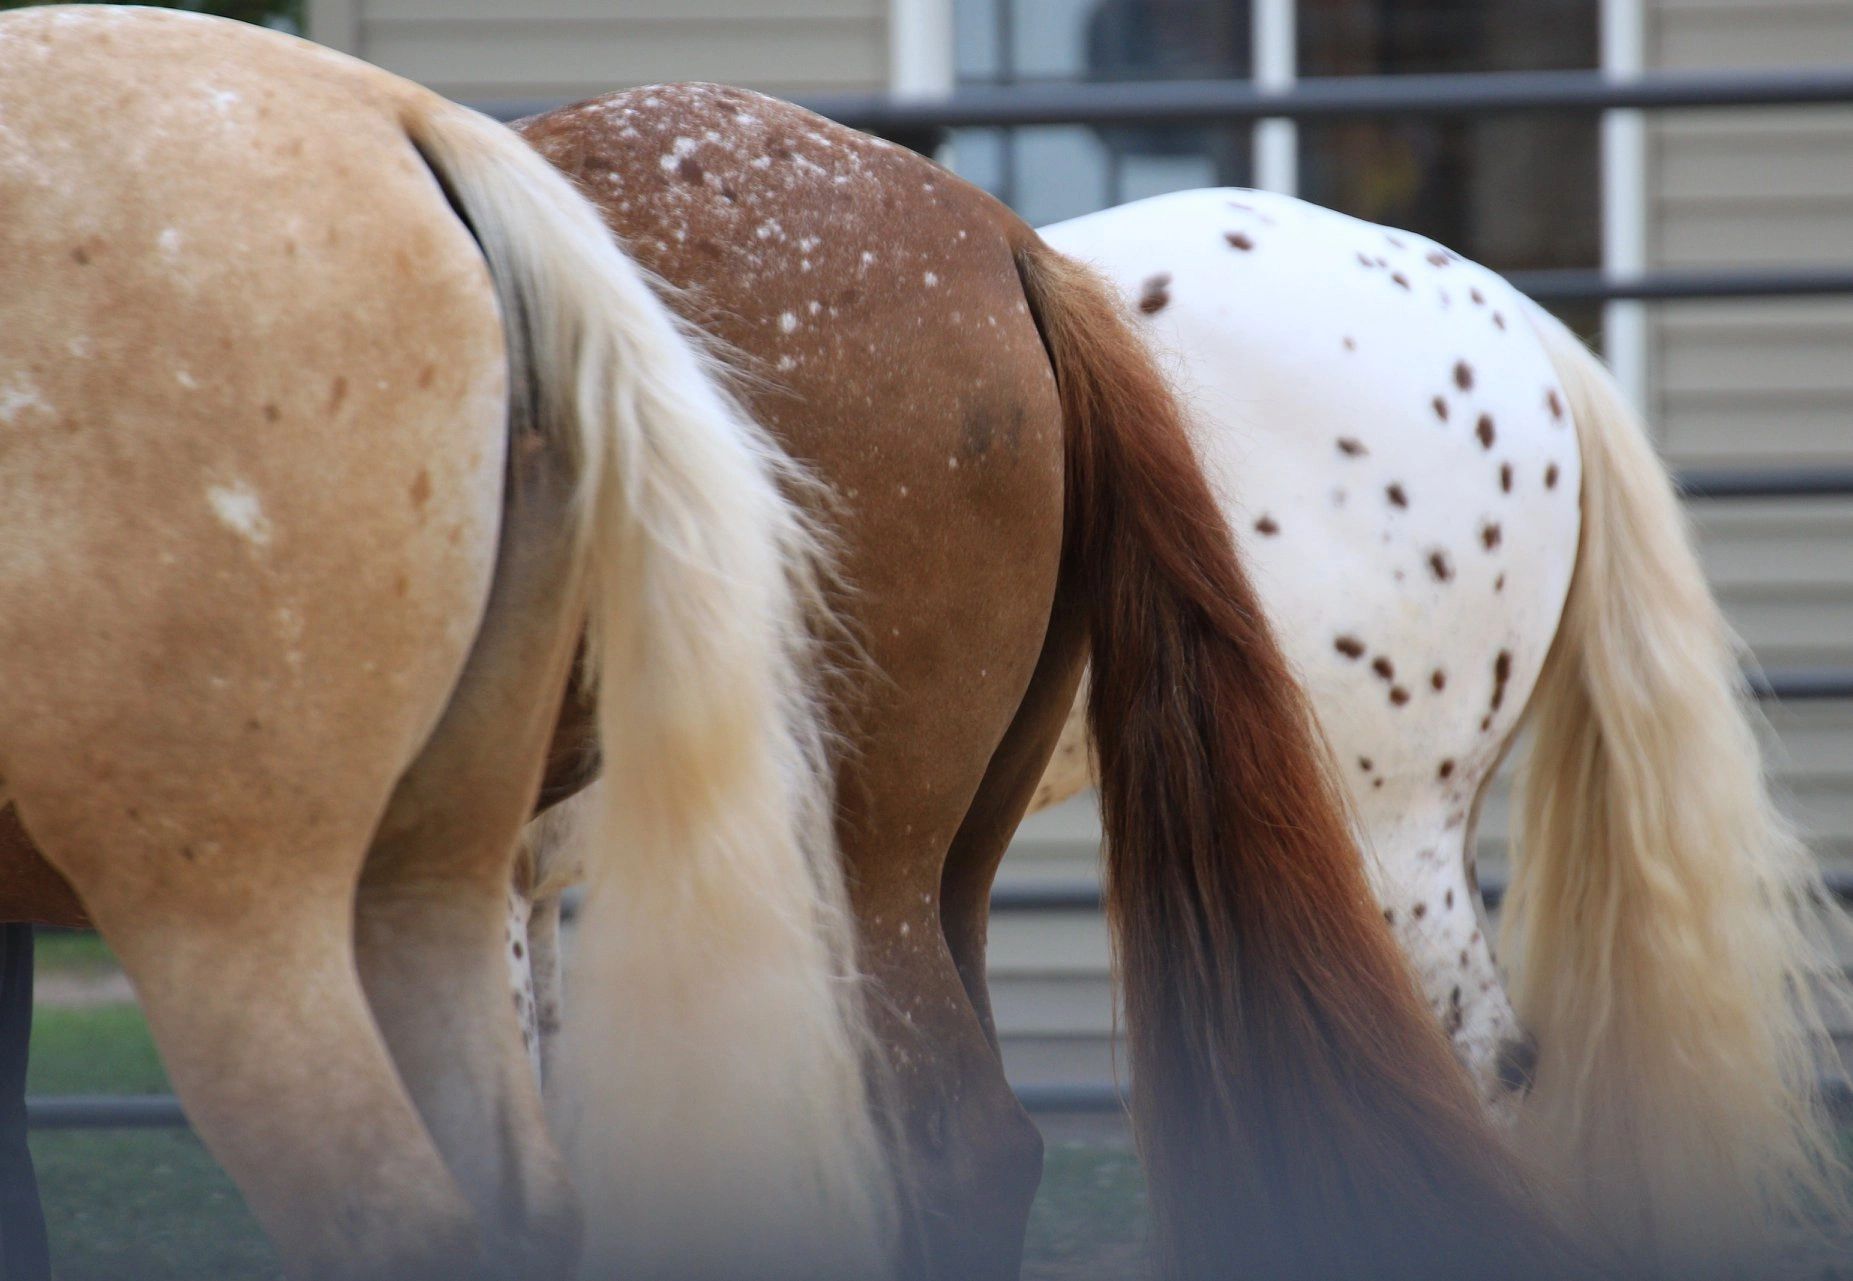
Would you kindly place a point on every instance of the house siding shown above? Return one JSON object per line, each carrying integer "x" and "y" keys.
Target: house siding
{"x": 485, "y": 50}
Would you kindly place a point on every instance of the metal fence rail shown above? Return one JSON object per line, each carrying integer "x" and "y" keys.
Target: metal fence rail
{"x": 1575, "y": 284}
{"x": 105, "y": 1112}
{"x": 1197, "y": 102}
{"x": 162, "y": 1111}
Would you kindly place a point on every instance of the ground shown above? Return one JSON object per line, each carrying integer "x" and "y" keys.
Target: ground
{"x": 153, "y": 1205}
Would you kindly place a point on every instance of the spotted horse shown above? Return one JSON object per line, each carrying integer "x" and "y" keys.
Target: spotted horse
{"x": 1458, "y": 527}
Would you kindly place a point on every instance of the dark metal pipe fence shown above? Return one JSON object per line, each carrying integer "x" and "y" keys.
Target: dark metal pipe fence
{"x": 1200, "y": 102}
{"x": 1590, "y": 285}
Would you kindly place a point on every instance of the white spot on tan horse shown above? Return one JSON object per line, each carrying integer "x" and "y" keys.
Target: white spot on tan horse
{"x": 238, "y": 508}
{"x": 17, "y": 397}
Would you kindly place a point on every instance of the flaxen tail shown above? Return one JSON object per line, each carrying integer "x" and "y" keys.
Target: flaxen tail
{"x": 713, "y": 1102}
{"x": 1665, "y": 926}
{"x": 1297, "y": 1108}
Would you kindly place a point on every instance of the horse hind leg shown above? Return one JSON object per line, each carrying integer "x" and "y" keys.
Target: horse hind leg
{"x": 517, "y": 927}
{"x": 548, "y": 863}
{"x": 23, "y": 1253}
{"x": 434, "y": 937}
{"x": 549, "y": 997}
{"x": 233, "y": 918}
{"x": 1008, "y": 1141}
{"x": 975, "y": 1155}
{"x": 210, "y": 796}
{"x": 1432, "y": 904}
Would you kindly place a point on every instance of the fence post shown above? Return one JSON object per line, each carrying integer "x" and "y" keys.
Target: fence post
{"x": 23, "y": 1252}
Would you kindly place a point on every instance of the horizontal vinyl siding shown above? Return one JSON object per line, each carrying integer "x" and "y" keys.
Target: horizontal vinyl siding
{"x": 627, "y": 13}
{"x": 1760, "y": 383}
{"x": 569, "y": 49}
{"x": 1766, "y": 383}
{"x": 1744, "y": 189}
{"x": 1747, "y": 34}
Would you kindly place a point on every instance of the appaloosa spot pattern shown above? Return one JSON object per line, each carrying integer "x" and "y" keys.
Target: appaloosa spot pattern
{"x": 1332, "y": 360}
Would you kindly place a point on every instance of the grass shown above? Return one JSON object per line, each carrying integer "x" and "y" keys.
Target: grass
{"x": 149, "y": 1204}
{"x": 1089, "y": 1221}
{"x": 77, "y": 954}
{"x": 153, "y": 1205}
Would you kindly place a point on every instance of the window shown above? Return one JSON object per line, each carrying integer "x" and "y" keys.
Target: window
{"x": 1514, "y": 191}
{"x": 1057, "y": 172}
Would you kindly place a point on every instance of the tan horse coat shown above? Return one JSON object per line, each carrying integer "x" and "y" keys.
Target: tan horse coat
{"x": 330, "y": 417}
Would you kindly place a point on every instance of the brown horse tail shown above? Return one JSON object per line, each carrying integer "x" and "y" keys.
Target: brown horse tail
{"x": 1296, "y": 1106}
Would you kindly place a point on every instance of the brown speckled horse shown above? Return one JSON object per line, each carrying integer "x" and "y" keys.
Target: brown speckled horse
{"x": 1013, "y": 485}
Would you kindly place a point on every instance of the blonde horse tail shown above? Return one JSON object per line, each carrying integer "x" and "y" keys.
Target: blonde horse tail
{"x": 713, "y": 1104}
{"x": 1665, "y": 926}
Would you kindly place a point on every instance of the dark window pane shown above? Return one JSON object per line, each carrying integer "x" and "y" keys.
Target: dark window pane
{"x": 1386, "y": 37}
{"x": 1053, "y": 173}
{"x": 1513, "y": 191}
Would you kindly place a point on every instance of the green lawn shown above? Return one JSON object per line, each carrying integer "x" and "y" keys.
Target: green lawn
{"x": 147, "y": 1204}
{"x": 1088, "y": 1223}
{"x": 78, "y": 954}
{"x": 153, "y": 1206}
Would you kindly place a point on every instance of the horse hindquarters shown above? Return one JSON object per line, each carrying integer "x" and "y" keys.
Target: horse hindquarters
{"x": 1296, "y": 1106}
{"x": 251, "y": 501}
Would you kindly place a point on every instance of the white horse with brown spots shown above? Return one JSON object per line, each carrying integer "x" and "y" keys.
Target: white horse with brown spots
{"x": 1391, "y": 444}
{"x": 330, "y": 419}
{"x": 1458, "y": 526}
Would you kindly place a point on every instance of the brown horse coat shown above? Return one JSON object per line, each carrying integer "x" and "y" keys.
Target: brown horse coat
{"x": 1011, "y": 483}
{"x": 889, "y": 345}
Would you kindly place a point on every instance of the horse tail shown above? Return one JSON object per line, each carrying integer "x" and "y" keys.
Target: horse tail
{"x": 1297, "y": 1108}
{"x": 1665, "y": 926}
{"x": 713, "y": 1108}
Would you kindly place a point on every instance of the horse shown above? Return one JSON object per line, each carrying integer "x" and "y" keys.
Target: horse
{"x": 1458, "y": 526}
{"x": 1013, "y": 487}
{"x": 334, "y": 420}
